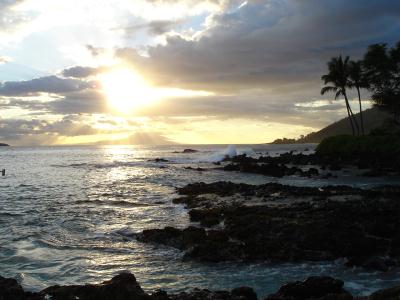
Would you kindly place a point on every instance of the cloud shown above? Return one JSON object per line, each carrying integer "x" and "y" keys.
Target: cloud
{"x": 10, "y": 19}
{"x": 79, "y": 72}
{"x": 49, "y": 84}
{"x": 157, "y": 27}
{"x": 4, "y": 59}
{"x": 269, "y": 43}
{"x": 80, "y": 102}
{"x": 67, "y": 126}
{"x": 43, "y": 132}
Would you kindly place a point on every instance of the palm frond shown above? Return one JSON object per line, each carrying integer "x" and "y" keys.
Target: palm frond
{"x": 338, "y": 94}
{"x": 328, "y": 89}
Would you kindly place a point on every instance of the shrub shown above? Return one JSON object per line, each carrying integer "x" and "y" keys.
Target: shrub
{"x": 346, "y": 147}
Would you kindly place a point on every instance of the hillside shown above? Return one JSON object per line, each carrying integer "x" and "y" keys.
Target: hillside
{"x": 373, "y": 118}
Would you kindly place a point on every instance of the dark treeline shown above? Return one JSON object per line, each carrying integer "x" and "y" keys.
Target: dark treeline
{"x": 378, "y": 72}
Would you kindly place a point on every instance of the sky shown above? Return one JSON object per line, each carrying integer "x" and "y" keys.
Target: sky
{"x": 177, "y": 71}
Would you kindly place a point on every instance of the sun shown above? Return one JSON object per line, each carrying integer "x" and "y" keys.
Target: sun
{"x": 126, "y": 90}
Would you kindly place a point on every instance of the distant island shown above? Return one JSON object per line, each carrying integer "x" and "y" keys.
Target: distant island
{"x": 373, "y": 118}
{"x": 4, "y": 145}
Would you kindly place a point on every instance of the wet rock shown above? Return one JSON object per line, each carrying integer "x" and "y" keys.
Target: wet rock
{"x": 322, "y": 288}
{"x": 247, "y": 165}
{"x": 195, "y": 169}
{"x": 157, "y": 160}
{"x": 190, "y": 151}
{"x": 244, "y": 292}
{"x": 374, "y": 173}
{"x": 226, "y": 188}
{"x": 335, "y": 167}
{"x": 11, "y": 290}
{"x": 180, "y": 239}
{"x": 121, "y": 287}
{"x": 206, "y": 217}
{"x": 198, "y": 294}
{"x": 362, "y": 230}
{"x": 125, "y": 287}
{"x": 375, "y": 263}
{"x": 386, "y": 294}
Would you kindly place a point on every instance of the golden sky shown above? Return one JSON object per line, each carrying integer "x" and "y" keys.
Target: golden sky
{"x": 176, "y": 71}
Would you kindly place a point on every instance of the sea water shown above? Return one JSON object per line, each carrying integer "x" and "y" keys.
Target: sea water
{"x": 67, "y": 215}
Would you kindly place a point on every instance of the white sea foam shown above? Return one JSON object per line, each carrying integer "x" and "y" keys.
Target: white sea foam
{"x": 230, "y": 151}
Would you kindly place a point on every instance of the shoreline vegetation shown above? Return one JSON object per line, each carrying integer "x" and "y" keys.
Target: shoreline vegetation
{"x": 378, "y": 73}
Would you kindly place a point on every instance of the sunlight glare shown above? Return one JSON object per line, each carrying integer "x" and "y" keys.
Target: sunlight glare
{"x": 125, "y": 89}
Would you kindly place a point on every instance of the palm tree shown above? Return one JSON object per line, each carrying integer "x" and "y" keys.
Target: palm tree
{"x": 357, "y": 80}
{"x": 338, "y": 77}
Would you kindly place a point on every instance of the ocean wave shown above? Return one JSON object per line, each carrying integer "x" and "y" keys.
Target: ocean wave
{"x": 230, "y": 151}
{"x": 123, "y": 203}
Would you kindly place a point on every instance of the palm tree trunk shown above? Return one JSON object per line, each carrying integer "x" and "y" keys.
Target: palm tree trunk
{"x": 351, "y": 113}
{"x": 361, "y": 114}
{"x": 350, "y": 119}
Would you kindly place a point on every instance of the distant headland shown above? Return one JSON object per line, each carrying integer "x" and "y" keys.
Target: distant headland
{"x": 373, "y": 118}
{"x": 4, "y": 145}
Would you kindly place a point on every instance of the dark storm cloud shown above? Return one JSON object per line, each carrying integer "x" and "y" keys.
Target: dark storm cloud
{"x": 270, "y": 43}
{"x": 48, "y": 84}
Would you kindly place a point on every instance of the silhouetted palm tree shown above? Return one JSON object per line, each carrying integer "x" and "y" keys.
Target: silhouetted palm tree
{"x": 356, "y": 79}
{"x": 338, "y": 77}
{"x": 382, "y": 70}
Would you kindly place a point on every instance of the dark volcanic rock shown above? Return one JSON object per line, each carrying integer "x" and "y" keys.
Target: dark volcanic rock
{"x": 386, "y": 294}
{"x": 159, "y": 160}
{"x": 366, "y": 230}
{"x": 226, "y": 188}
{"x": 121, "y": 287}
{"x": 195, "y": 169}
{"x": 189, "y": 151}
{"x": 125, "y": 287}
{"x": 206, "y": 217}
{"x": 269, "y": 169}
{"x": 180, "y": 239}
{"x": 322, "y": 288}
{"x": 11, "y": 290}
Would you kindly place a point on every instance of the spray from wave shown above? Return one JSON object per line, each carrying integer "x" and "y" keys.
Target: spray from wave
{"x": 230, "y": 151}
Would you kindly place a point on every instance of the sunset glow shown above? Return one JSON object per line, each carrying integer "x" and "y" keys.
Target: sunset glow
{"x": 126, "y": 90}
{"x": 184, "y": 71}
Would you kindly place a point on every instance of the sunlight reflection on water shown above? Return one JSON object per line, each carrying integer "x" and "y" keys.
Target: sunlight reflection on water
{"x": 67, "y": 213}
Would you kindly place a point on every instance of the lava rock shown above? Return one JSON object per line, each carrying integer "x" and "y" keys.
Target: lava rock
{"x": 312, "y": 288}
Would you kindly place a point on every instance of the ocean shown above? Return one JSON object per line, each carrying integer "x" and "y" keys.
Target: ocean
{"x": 67, "y": 214}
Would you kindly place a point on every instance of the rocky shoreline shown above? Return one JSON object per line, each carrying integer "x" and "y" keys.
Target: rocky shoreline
{"x": 311, "y": 165}
{"x": 125, "y": 287}
{"x": 279, "y": 223}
